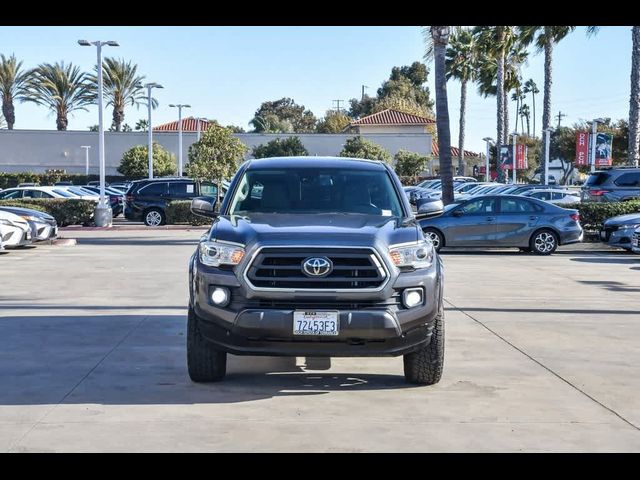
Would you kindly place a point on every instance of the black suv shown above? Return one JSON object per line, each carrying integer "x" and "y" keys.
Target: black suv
{"x": 615, "y": 184}
{"x": 147, "y": 200}
{"x": 319, "y": 257}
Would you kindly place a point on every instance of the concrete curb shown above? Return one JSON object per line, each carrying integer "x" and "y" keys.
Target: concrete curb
{"x": 133, "y": 228}
{"x": 64, "y": 242}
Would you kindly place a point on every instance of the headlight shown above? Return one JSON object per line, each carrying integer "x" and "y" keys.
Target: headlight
{"x": 5, "y": 222}
{"x": 29, "y": 217}
{"x": 418, "y": 255}
{"x": 216, "y": 253}
{"x": 629, "y": 225}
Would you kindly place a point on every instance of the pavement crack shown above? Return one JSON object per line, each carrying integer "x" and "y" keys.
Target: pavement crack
{"x": 53, "y": 407}
{"x": 548, "y": 369}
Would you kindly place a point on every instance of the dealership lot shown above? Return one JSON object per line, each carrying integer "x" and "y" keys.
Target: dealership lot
{"x": 541, "y": 355}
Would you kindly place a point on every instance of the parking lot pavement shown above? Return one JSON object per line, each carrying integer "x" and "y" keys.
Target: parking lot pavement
{"x": 541, "y": 355}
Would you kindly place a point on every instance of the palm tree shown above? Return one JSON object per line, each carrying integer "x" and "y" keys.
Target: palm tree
{"x": 634, "y": 100}
{"x": 61, "y": 88}
{"x": 13, "y": 86}
{"x": 142, "y": 124}
{"x": 436, "y": 39}
{"x": 531, "y": 87}
{"x": 122, "y": 86}
{"x": 3, "y": 124}
{"x": 525, "y": 113}
{"x": 460, "y": 64}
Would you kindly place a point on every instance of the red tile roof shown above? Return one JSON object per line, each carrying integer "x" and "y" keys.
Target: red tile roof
{"x": 454, "y": 151}
{"x": 392, "y": 117}
{"x": 189, "y": 124}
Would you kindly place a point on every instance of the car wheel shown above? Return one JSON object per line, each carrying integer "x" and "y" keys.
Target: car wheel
{"x": 154, "y": 217}
{"x": 544, "y": 242}
{"x": 205, "y": 363}
{"x": 424, "y": 366}
{"x": 436, "y": 238}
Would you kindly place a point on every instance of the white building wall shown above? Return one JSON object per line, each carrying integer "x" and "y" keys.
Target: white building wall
{"x": 393, "y": 129}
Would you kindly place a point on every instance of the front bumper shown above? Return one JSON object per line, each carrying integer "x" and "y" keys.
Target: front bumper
{"x": 617, "y": 238}
{"x": 16, "y": 236}
{"x": 371, "y": 324}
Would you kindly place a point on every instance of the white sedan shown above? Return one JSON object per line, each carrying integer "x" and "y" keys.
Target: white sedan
{"x": 15, "y": 230}
{"x": 554, "y": 195}
{"x": 35, "y": 192}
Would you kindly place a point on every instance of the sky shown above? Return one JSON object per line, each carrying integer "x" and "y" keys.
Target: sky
{"x": 227, "y": 72}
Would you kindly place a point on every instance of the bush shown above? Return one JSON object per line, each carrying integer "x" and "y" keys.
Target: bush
{"x": 358, "y": 147}
{"x": 135, "y": 162}
{"x": 10, "y": 180}
{"x": 65, "y": 211}
{"x": 280, "y": 147}
{"x": 179, "y": 211}
{"x": 593, "y": 214}
{"x": 409, "y": 163}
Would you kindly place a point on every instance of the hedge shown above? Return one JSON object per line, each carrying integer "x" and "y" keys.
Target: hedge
{"x": 593, "y": 214}
{"x": 10, "y": 180}
{"x": 65, "y": 211}
{"x": 179, "y": 211}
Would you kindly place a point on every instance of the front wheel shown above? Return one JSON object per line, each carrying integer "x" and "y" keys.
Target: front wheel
{"x": 205, "y": 363}
{"x": 424, "y": 366}
{"x": 154, "y": 217}
{"x": 435, "y": 236}
{"x": 544, "y": 242}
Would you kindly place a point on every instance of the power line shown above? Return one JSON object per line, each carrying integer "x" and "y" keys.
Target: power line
{"x": 337, "y": 102}
{"x": 560, "y": 116}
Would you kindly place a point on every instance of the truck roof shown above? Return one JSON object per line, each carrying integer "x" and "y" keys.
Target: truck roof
{"x": 311, "y": 162}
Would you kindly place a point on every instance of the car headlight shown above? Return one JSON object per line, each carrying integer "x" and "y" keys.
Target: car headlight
{"x": 215, "y": 253}
{"x": 418, "y": 255}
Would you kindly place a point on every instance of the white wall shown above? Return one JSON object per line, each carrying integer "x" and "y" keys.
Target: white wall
{"x": 377, "y": 129}
{"x": 39, "y": 150}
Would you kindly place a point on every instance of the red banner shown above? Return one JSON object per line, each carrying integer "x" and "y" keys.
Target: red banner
{"x": 582, "y": 149}
{"x": 521, "y": 157}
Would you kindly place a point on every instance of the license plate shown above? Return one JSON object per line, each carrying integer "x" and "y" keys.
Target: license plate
{"x": 635, "y": 242}
{"x": 315, "y": 323}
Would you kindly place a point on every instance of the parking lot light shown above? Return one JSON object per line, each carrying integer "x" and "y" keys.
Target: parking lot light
{"x": 180, "y": 106}
{"x": 488, "y": 141}
{"x": 149, "y": 86}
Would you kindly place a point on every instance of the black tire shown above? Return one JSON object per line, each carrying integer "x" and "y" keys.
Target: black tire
{"x": 544, "y": 242}
{"x": 435, "y": 236}
{"x": 204, "y": 362}
{"x": 154, "y": 217}
{"x": 424, "y": 366}
{"x": 525, "y": 249}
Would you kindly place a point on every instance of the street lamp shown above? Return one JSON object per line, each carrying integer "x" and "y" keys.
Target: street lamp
{"x": 180, "y": 106}
{"x": 489, "y": 141}
{"x": 149, "y": 86}
{"x": 547, "y": 142}
{"x": 515, "y": 141}
{"x": 103, "y": 216}
{"x": 594, "y": 134}
{"x": 199, "y": 122}
{"x": 86, "y": 149}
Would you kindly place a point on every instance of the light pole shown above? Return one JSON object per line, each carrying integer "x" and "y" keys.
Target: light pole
{"x": 515, "y": 141}
{"x": 199, "y": 122}
{"x": 488, "y": 141}
{"x": 594, "y": 135}
{"x": 547, "y": 143}
{"x": 180, "y": 106}
{"x": 86, "y": 169}
{"x": 103, "y": 216}
{"x": 149, "y": 86}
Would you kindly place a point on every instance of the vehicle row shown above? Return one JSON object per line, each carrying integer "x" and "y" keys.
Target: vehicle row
{"x": 20, "y": 227}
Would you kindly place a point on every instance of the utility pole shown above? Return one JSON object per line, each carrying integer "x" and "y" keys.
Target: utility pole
{"x": 338, "y": 105}
{"x": 560, "y": 116}
{"x": 363, "y": 87}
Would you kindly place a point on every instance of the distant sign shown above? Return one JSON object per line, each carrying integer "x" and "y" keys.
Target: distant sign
{"x": 604, "y": 149}
{"x": 506, "y": 157}
{"x": 582, "y": 149}
{"x": 521, "y": 157}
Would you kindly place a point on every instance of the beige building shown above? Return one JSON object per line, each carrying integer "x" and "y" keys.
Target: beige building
{"x": 392, "y": 121}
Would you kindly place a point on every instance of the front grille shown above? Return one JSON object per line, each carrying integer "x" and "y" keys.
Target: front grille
{"x": 325, "y": 304}
{"x": 353, "y": 269}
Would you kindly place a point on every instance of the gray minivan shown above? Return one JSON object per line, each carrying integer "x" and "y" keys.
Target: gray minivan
{"x": 615, "y": 184}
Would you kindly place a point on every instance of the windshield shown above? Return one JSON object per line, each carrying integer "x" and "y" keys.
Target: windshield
{"x": 62, "y": 193}
{"x": 597, "y": 178}
{"x": 316, "y": 190}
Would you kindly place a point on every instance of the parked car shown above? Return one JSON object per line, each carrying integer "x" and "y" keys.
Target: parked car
{"x": 465, "y": 179}
{"x": 43, "y": 226}
{"x": 635, "y": 241}
{"x": 35, "y": 192}
{"x": 618, "y": 231}
{"x": 615, "y": 184}
{"x": 96, "y": 183}
{"x": 28, "y": 184}
{"x": 147, "y": 200}
{"x": 116, "y": 197}
{"x": 15, "y": 230}
{"x": 78, "y": 192}
{"x": 504, "y": 221}
{"x": 63, "y": 184}
{"x": 555, "y": 196}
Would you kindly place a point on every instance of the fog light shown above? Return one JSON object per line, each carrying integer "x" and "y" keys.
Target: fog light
{"x": 220, "y": 296}
{"x": 412, "y": 297}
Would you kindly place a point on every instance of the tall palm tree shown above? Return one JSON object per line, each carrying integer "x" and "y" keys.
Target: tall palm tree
{"x": 460, "y": 64}
{"x": 531, "y": 87}
{"x": 61, "y": 88}
{"x": 436, "y": 39}
{"x": 13, "y": 86}
{"x": 634, "y": 100}
{"x": 525, "y": 114}
{"x": 122, "y": 86}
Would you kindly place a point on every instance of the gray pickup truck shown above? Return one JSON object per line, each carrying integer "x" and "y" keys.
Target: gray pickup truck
{"x": 319, "y": 257}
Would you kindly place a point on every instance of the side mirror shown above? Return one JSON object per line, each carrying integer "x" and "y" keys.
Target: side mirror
{"x": 430, "y": 209}
{"x": 458, "y": 213}
{"x": 204, "y": 207}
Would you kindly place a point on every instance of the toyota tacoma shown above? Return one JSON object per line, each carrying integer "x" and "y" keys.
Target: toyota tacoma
{"x": 318, "y": 257}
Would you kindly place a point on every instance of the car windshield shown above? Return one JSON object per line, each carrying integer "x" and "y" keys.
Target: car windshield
{"x": 62, "y": 193}
{"x": 597, "y": 178}
{"x": 316, "y": 190}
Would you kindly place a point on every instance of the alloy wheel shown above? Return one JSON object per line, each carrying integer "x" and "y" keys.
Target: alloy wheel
{"x": 154, "y": 218}
{"x": 544, "y": 242}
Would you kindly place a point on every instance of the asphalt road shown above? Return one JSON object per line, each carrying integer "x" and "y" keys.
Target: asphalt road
{"x": 542, "y": 354}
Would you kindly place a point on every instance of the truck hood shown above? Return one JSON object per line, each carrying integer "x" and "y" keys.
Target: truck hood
{"x": 333, "y": 229}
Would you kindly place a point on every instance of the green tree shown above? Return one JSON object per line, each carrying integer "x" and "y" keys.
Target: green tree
{"x": 280, "y": 147}
{"x": 135, "y": 162}
{"x": 362, "y": 107}
{"x": 94, "y": 128}
{"x": 333, "y": 122}
{"x": 531, "y": 87}
{"x": 409, "y": 163}
{"x": 122, "y": 86}
{"x": 436, "y": 40}
{"x": 61, "y": 88}
{"x": 461, "y": 64}
{"x": 142, "y": 124}
{"x": 283, "y": 116}
{"x": 235, "y": 129}
{"x": 358, "y": 147}
{"x": 403, "y": 104}
{"x": 634, "y": 100}
{"x": 13, "y": 87}
{"x": 215, "y": 156}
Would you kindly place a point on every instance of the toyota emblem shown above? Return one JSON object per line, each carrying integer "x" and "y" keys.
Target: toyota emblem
{"x": 317, "y": 267}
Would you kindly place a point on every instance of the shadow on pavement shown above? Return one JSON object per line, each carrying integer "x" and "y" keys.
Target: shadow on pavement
{"x": 141, "y": 359}
{"x": 544, "y": 310}
{"x": 115, "y": 241}
{"x": 612, "y": 285}
{"x": 608, "y": 260}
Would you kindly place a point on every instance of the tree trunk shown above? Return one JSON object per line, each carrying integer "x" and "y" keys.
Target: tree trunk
{"x": 533, "y": 95}
{"x": 500, "y": 113}
{"x": 442, "y": 123}
{"x": 9, "y": 112}
{"x": 517, "y": 109}
{"x": 118, "y": 118}
{"x": 62, "y": 121}
{"x": 634, "y": 101}
{"x": 505, "y": 104}
{"x": 463, "y": 112}
{"x": 546, "y": 101}
{"x": 528, "y": 125}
